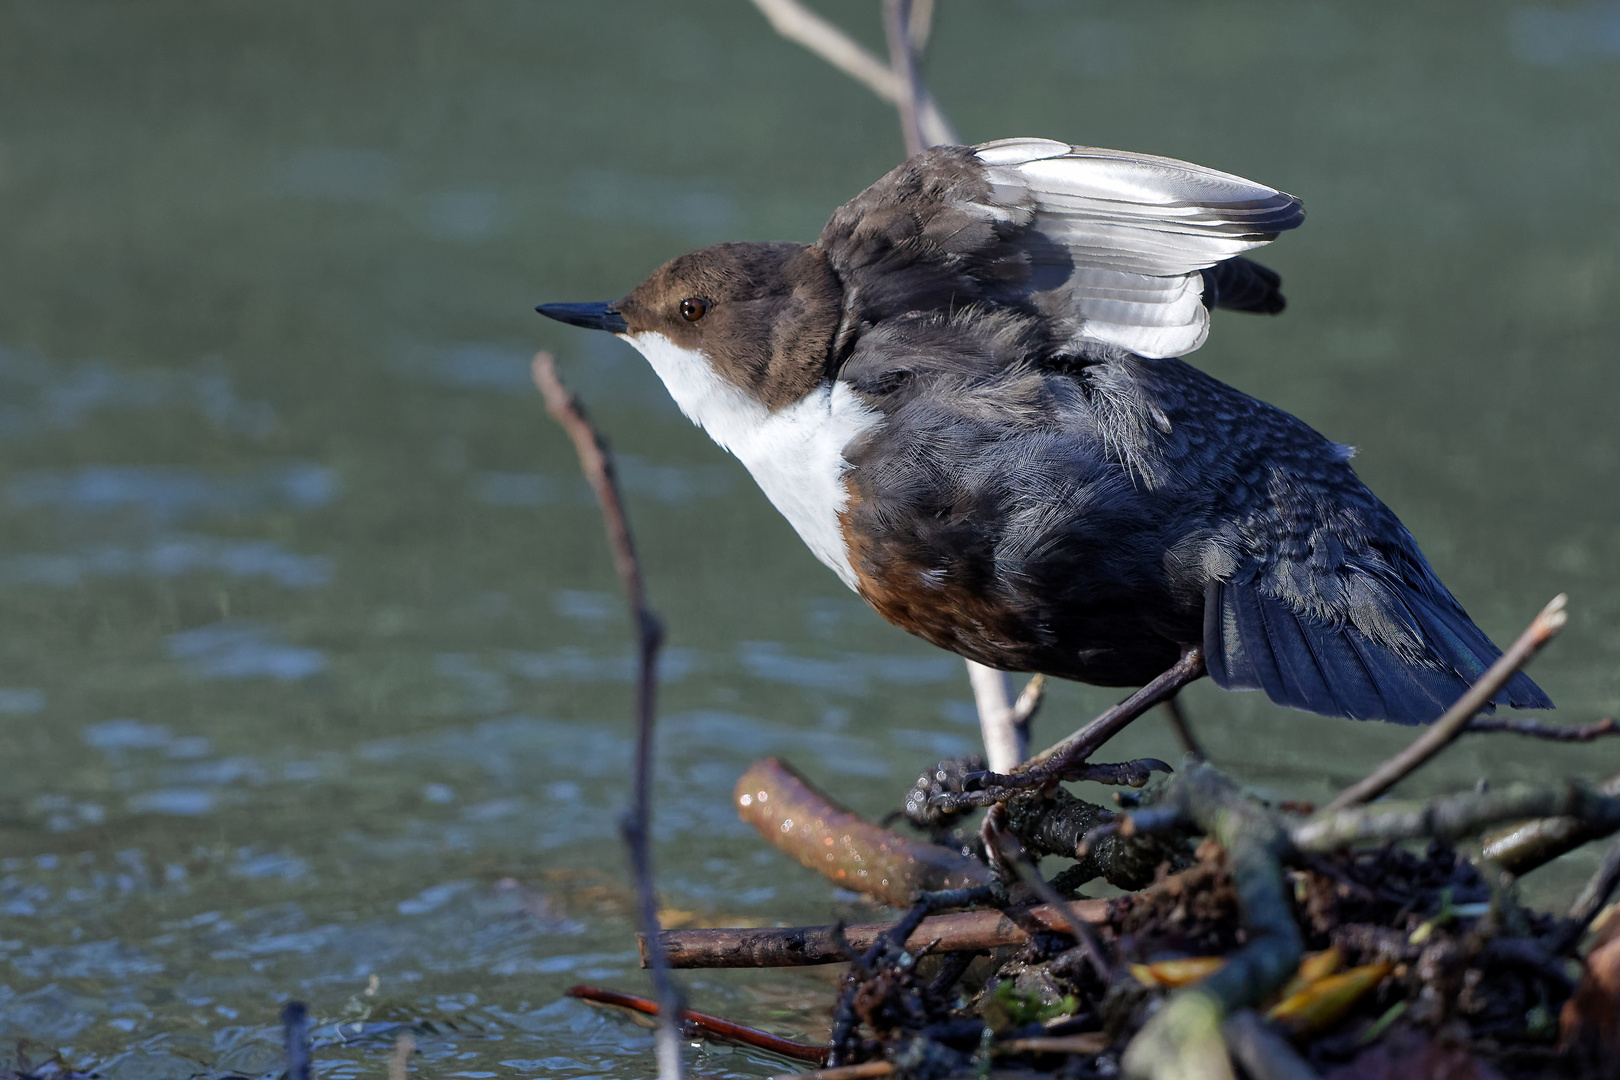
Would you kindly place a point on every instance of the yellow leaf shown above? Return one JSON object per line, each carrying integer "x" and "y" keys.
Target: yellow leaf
{"x": 1174, "y": 973}
{"x": 1325, "y": 1002}
{"x": 1315, "y": 966}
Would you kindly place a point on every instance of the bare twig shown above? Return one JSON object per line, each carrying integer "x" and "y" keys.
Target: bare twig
{"x": 399, "y": 1062}
{"x": 597, "y": 465}
{"x": 993, "y": 697}
{"x": 1029, "y": 702}
{"x": 295, "y": 1040}
{"x": 1187, "y": 1029}
{"x": 1592, "y": 898}
{"x": 1538, "y": 730}
{"x": 1453, "y": 817}
{"x": 803, "y": 946}
{"x": 1457, "y": 718}
{"x": 1078, "y": 928}
{"x": 920, "y": 25}
{"x": 716, "y": 1026}
{"x": 1183, "y": 731}
{"x": 796, "y": 22}
{"x": 903, "y": 62}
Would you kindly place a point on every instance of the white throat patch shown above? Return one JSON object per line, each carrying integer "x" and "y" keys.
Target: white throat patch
{"x": 795, "y": 454}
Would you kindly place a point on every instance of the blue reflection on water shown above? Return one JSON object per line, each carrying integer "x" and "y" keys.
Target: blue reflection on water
{"x": 171, "y": 492}
{"x": 239, "y": 649}
{"x": 21, "y": 700}
{"x": 1564, "y": 37}
{"x": 693, "y": 208}
{"x": 850, "y": 672}
{"x": 37, "y": 395}
{"x": 169, "y": 556}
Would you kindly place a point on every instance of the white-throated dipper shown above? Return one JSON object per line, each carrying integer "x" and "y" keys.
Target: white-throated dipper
{"x": 966, "y": 398}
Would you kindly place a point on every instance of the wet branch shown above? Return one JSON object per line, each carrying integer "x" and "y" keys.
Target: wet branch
{"x": 805, "y": 946}
{"x": 1453, "y": 817}
{"x": 1531, "y": 844}
{"x": 597, "y": 464}
{"x": 847, "y": 849}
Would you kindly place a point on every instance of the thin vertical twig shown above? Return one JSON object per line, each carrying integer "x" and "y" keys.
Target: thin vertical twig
{"x": 295, "y": 1040}
{"x": 993, "y": 697}
{"x": 1542, "y": 629}
{"x": 597, "y": 464}
{"x": 1183, "y": 730}
{"x": 399, "y": 1062}
{"x": 1591, "y": 900}
{"x": 796, "y": 22}
{"x": 903, "y": 62}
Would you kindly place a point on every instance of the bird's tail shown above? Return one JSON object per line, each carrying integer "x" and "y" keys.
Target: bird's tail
{"x": 1256, "y": 642}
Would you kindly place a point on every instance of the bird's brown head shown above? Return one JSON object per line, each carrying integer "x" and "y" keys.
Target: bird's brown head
{"x": 761, "y": 316}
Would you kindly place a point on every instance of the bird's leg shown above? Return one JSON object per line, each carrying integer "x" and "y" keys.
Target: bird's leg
{"x": 1069, "y": 756}
{"x": 1082, "y": 744}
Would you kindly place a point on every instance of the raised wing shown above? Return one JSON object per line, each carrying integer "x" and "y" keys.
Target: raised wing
{"x": 1108, "y": 245}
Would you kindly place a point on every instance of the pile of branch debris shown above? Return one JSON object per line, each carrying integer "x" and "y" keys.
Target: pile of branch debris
{"x": 1263, "y": 940}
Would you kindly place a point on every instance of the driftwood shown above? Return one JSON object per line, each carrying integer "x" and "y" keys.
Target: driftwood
{"x": 804, "y": 946}
{"x": 790, "y": 813}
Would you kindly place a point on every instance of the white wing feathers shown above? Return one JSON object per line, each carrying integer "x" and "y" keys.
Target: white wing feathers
{"x": 1121, "y": 236}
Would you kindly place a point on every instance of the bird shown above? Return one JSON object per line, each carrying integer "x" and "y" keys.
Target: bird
{"x": 968, "y": 398}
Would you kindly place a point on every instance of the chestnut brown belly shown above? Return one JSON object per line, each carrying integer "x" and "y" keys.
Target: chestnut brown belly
{"x": 1106, "y": 640}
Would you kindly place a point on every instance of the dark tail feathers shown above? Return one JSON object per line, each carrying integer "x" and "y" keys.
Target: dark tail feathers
{"x": 1239, "y": 284}
{"x": 1253, "y": 642}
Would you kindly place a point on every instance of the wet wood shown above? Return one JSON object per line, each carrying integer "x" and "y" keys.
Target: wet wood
{"x": 795, "y": 817}
{"x": 803, "y": 946}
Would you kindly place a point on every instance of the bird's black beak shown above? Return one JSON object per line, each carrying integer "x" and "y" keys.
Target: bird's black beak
{"x": 590, "y": 316}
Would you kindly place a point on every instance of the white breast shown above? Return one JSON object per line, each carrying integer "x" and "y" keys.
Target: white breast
{"x": 795, "y": 454}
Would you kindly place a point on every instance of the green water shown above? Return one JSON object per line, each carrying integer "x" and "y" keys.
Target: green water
{"x": 313, "y": 668}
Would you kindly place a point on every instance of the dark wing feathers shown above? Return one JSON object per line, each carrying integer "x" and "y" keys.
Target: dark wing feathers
{"x": 1258, "y": 642}
{"x": 1112, "y": 248}
{"x": 1315, "y": 592}
{"x": 1219, "y": 511}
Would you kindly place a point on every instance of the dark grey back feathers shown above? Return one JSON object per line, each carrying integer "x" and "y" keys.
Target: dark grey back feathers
{"x": 1054, "y": 492}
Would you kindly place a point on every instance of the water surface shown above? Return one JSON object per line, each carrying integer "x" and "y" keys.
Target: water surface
{"x": 314, "y": 681}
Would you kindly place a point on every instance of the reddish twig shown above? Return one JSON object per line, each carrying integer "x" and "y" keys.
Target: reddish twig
{"x": 597, "y": 465}
{"x": 716, "y": 1026}
{"x": 1456, "y": 719}
{"x": 866, "y": 1070}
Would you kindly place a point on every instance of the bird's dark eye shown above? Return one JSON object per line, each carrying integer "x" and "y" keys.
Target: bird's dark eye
{"x": 692, "y": 308}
